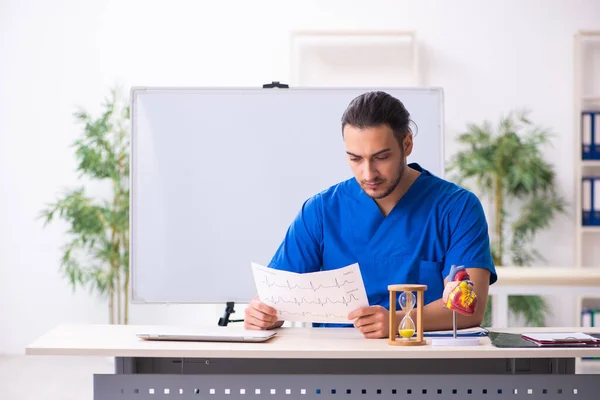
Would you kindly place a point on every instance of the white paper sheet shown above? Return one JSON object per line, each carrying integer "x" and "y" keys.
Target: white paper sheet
{"x": 325, "y": 296}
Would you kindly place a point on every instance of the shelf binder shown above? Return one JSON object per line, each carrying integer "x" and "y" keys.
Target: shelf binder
{"x": 596, "y": 201}
{"x": 587, "y": 318}
{"x": 586, "y": 202}
{"x": 590, "y": 135}
{"x": 596, "y": 136}
{"x": 586, "y": 136}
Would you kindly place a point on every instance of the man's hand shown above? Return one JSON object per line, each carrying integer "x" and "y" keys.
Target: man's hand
{"x": 373, "y": 321}
{"x": 260, "y": 316}
{"x": 449, "y": 288}
{"x": 458, "y": 293}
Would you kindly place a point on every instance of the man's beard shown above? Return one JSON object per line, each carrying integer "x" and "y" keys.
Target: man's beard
{"x": 392, "y": 186}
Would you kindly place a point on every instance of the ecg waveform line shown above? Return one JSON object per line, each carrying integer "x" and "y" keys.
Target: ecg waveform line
{"x": 308, "y": 313}
{"x": 312, "y": 287}
{"x": 319, "y": 301}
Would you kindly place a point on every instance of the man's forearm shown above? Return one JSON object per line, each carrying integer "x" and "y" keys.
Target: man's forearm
{"x": 436, "y": 317}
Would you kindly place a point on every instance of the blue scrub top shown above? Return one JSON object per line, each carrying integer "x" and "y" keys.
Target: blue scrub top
{"x": 435, "y": 225}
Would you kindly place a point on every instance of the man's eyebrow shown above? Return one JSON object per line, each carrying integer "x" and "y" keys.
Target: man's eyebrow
{"x": 372, "y": 155}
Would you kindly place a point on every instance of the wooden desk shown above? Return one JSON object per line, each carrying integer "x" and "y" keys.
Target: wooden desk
{"x": 543, "y": 281}
{"x": 307, "y": 363}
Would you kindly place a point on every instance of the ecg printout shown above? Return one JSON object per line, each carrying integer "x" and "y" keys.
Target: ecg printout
{"x": 324, "y": 296}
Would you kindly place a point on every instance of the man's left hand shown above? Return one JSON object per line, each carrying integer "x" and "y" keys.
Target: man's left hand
{"x": 372, "y": 321}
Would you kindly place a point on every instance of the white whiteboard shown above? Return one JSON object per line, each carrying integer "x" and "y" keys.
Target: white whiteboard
{"x": 218, "y": 175}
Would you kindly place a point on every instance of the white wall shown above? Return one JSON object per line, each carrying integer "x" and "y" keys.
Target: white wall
{"x": 488, "y": 56}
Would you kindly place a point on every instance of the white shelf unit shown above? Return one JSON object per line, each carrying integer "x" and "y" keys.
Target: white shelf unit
{"x": 586, "y": 98}
{"x": 354, "y": 59}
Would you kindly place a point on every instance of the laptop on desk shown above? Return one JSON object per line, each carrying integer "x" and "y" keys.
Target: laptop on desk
{"x": 206, "y": 334}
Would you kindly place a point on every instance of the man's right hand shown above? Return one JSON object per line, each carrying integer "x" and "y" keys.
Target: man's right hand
{"x": 260, "y": 316}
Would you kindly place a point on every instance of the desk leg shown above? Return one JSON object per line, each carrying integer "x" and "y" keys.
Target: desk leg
{"x": 500, "y": 311}
{"x": 125, "y": 365}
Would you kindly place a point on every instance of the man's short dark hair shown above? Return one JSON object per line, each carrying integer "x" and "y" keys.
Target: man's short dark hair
{"x": 378, "y": 108}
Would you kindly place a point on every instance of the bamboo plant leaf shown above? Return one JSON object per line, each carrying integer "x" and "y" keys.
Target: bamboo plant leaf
{"x": 506, "y": 163}
{"x": 532, "y": 308}
{"x": 96, "y": 255}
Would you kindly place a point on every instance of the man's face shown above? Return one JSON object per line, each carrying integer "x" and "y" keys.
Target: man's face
{"x": 376, "y": 158}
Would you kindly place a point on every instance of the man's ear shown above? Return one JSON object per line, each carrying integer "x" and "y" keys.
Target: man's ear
{"x": 407, "y": 144}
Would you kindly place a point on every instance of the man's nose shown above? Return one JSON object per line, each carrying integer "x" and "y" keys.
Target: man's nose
{"x": 369, "y": 172}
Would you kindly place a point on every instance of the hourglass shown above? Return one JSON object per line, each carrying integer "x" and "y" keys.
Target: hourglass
{"x": 406, "y": 329}
{"x": 407, "y": 301}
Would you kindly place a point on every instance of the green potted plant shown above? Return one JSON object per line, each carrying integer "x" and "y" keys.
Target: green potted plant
{"x": 96, "y": 254}
{"x": 507, "y": 166}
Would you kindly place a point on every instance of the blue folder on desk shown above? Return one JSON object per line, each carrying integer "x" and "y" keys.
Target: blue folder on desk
{"x": 469, "y": 332}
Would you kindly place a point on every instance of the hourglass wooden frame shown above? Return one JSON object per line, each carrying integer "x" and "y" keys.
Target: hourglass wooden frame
{"x": 392, "y": 338}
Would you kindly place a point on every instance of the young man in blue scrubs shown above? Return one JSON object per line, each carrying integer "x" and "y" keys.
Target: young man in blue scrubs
{"x": 398, "y": 221}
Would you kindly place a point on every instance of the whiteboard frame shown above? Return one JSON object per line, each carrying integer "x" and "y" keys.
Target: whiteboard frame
{"x": 134, "y": 90}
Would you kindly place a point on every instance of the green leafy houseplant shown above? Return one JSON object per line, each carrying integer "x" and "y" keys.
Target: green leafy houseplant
{"x": 508, "y": 168}
{"x": 97, "y": 252}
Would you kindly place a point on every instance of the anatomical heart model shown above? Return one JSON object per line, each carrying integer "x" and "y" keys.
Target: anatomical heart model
{"x": 459, "y": 296}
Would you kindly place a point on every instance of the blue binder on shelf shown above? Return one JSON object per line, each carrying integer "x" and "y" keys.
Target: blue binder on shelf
{"x": 590, "y": 135}
{"x": 587, "y": 318}
{"x": 596, "y": 201}
{"x": 587, "y": 198}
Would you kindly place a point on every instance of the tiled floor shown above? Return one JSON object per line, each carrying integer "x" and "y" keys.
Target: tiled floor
{"x": 50, "y": 377}
{"x": 70, "y": 378}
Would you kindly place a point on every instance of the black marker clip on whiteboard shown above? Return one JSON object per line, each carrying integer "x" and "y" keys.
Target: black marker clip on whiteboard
{"x": 224, "y": 320}
{"x": 276, "y": 84}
